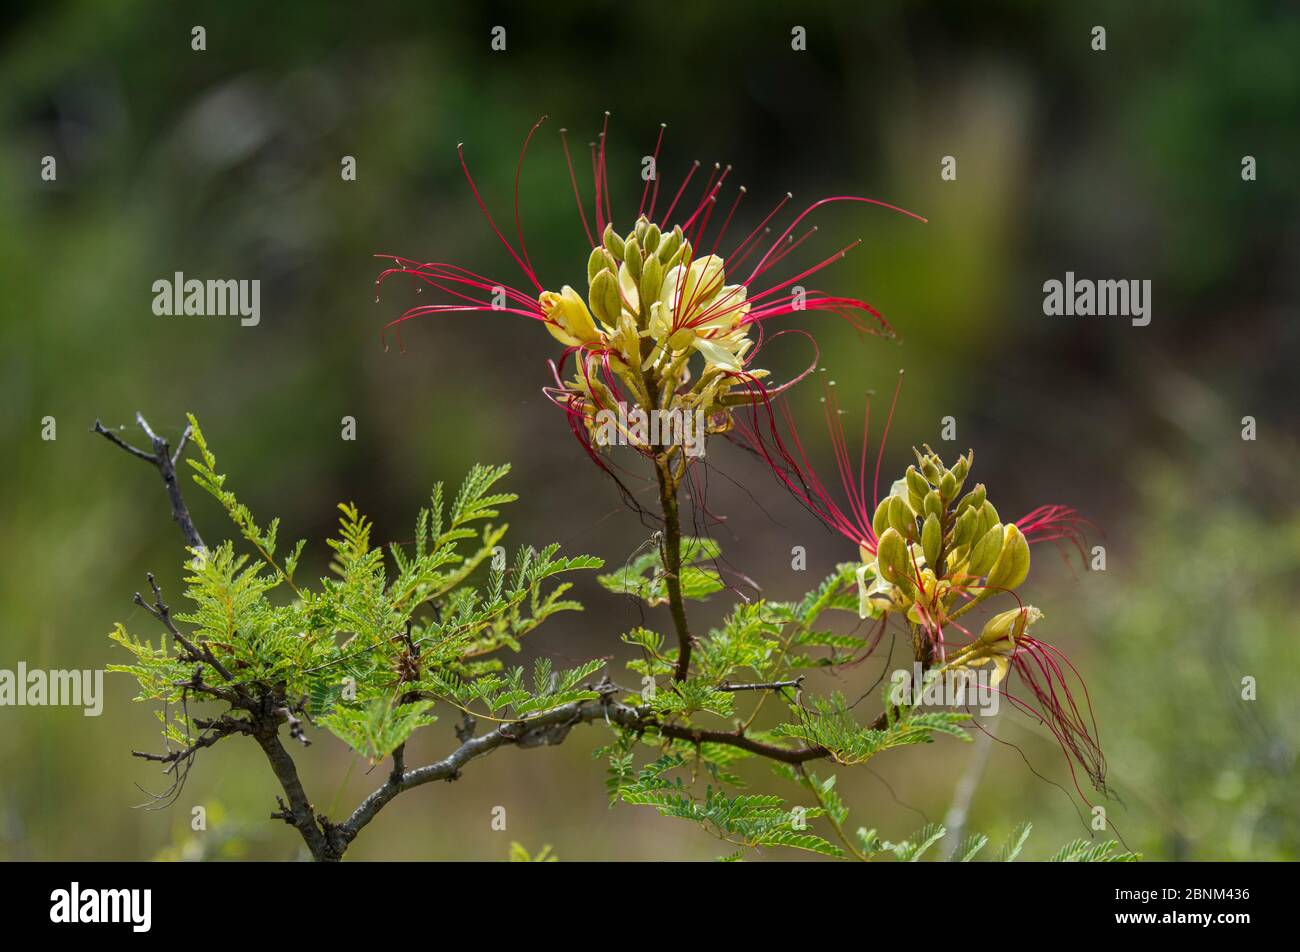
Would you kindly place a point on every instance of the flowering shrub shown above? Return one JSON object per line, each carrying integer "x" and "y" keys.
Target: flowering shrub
{"x": 664, "y": 326}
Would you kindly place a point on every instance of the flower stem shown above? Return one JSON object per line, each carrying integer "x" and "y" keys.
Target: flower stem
{"x": 671, "y": 553}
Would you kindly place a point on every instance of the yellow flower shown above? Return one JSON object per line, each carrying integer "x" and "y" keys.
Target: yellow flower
{"x": 567, "y": 317}
{"x": 997, "y": 642}
{"x": 705, "y": 312}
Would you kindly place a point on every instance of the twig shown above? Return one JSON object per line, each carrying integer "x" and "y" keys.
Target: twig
{"x": 217, "y": 729}
{"x": 762, "y": 686}
{"x": 165, "y": 462}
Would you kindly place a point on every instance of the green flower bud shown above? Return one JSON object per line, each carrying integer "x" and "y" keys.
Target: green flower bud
{"x": 985, "y": 552}
{"x": 1012, "y": 566}
{"x": 893, "y": 558}
{"x": 962, "y": 468}
{"x": 963, "y": 533}
{"x": 901, "y": 518}
{"x": 606, "y": 303}
{"x": 932, "y": 504}
{"x": 929, "y": 465}
{"x": 650, "y": 241}
{"x": 988, "y": 517}
{"x": 917, "y": 488}
{"x": 652, "y": 278}
{"x": 669, "y": 246}
{"x": 613, "y": 242}
{"x": 880, "y": 521}
{"x": 973, "y": 499}
{"x": 948, "y": 486}
{"x": 640, "y": 229}
{"x": 632, "y": 258}
{"x": 595, "y": 264}
{"x": 932, "y": 540}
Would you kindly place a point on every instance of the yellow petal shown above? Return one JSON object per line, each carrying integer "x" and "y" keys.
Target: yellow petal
{"x": 630, "y": 288}
{"x": 1000, "y": 666}
{"x": 717, "y": 355}
{"x": 569, "y": 312}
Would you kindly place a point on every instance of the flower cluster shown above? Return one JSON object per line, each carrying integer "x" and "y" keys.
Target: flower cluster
{"x": 938, "y": 554}
{"x": 655, "y": 300}
{"x": 931, "y": 551}
{"x": 651, "y": 306}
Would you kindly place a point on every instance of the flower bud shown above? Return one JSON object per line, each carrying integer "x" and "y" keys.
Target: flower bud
{"x": 595, "y": 264}
{"x": 988, "y": 517}
{"x": 892, "y": 556}
{"x": 650, "y": 241}
{"x": 973, "y": 499}
{"x": 682, "y": 255}
{"x": 962, "y": 467}
{"x": 932, "y": 504}
{"x": 916, "y": 486}
{"x": 652, "y": 278}
{"x": 948, "y": 486}
{"x": 932, "y": 540}
{"x": 901, "y": 518}
{"x": 880, "y": 521}
{"x": 963, "y": 533}
{"x": 606, "y": 302}
{"x": 929, "y": 468}
{"x": 632, "y": 258}
{"x": 613, "y": 242}
{"x": 1012, "y": 566}
{"x": 985, "y": 552}
{"x": 669, "y": 246}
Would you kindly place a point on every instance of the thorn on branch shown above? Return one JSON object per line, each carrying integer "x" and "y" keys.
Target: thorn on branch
{"x": 284, "y": 813}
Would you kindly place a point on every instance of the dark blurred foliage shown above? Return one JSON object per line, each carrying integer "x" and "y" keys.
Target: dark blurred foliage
{"x": 225, "y": 163}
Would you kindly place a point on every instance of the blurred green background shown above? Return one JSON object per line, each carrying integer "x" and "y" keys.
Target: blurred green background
{"x": 225, "y": 163}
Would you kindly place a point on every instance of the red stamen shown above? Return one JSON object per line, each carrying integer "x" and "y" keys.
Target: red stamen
{"x": 668, "y": 214}
{"x": 460, "y": 151}
{"x": 654, "y": 163}
{"x": 519, "y": 229}
{"x": 574, "y": 179}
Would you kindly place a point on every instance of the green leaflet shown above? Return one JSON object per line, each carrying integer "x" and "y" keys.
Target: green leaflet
{"x": 1084, "y": 851}
{"x": 1015, "y": 843}
{"x": 510, "y": 695}
{"x": 749, "y": 820}
{"x": 378, "y": 728}
{"x": 643, "y": 576}
{"x": 829, "y": 723}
